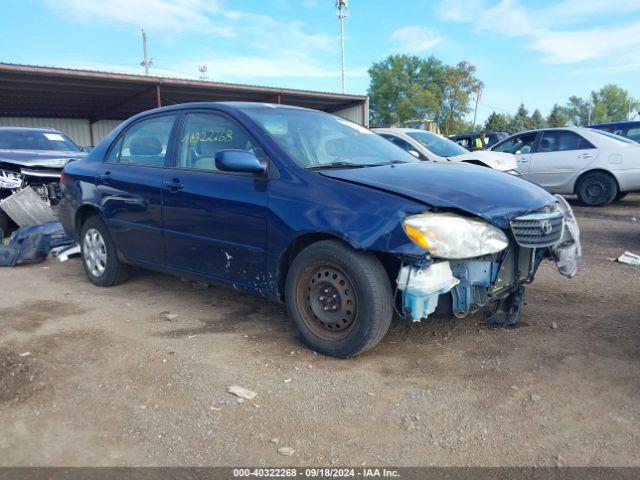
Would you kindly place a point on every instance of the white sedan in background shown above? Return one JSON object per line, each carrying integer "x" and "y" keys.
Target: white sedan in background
{"x": 431, "y": 147}
{"x": 598, "y": 166}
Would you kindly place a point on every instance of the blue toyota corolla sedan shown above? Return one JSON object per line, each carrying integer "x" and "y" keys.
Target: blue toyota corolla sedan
{"x": 308, "y": 208}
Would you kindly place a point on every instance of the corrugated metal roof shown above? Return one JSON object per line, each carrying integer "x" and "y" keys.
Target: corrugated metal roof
{"x": 151, "y": 79}
{"x": 36, "y": 91}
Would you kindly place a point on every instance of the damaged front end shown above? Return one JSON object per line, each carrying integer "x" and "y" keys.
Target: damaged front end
{"x": 493, "y": 264}
{"x": 44, "y": 180}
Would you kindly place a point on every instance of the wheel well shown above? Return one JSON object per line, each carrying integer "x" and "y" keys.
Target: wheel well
{"x": 388, "y": 260}
{"x": 595, "y": 170}
{"x": 83, "y": 213}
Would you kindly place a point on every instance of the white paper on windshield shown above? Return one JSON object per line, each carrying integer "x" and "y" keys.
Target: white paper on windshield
{"x": 54, "y": 136}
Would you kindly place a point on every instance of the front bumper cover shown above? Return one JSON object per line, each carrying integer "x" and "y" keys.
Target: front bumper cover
{"x": 476, "y": 282}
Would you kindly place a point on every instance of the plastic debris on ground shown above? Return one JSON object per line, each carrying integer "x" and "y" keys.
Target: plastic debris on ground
{"x": 63, "y": 253}
{"x": 33, "y": 244}
{"x": 629, "y": 258}
{"x": 26, "y": 208}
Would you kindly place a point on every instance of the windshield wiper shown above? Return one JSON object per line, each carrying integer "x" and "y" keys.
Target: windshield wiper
{"x": 343, "y": 164}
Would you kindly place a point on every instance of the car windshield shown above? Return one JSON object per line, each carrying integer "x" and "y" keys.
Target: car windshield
{"x": 36, "y": 140}
{"x": 612, "y": 135}
{"x": 317, "y": 140}
{"x": 437, "y": 144}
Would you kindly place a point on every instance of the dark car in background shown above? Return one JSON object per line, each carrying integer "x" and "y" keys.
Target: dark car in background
{"x": 308, "y": 208}
{"x": 630, "y": 130}
{"x": 33, "y": 157}
{"x": 470, "y": 140}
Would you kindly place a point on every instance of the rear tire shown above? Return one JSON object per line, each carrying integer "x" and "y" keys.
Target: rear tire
{"x": 339, "y": 299}
{"x": 597, "y": 189}
{"x": 99, "y": 256}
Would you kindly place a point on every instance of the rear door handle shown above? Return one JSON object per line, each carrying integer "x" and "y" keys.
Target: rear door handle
{"x": 585, "y": 155}
{"x": 173, "y": 186}
{"x": 104, "y": 179}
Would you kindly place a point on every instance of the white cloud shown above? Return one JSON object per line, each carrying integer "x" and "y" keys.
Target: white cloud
{"x": 415, "y": 39}
{"x": 159, "y": 15}
{"x": 563, "y": 32}
{"x": 279, "y": 47}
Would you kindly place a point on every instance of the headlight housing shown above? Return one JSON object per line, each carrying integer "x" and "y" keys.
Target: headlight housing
{"x": 447, "y": 235}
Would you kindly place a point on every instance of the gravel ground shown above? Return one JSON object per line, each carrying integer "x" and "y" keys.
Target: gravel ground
{"x": 137, "y": 374}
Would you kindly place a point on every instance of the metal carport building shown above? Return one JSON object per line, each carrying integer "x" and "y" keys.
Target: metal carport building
{"x": 87, "y": 105}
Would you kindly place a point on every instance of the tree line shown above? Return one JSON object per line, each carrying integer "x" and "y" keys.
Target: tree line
{"x": 408, "y": 87}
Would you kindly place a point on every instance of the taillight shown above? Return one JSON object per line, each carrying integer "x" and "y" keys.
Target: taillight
{"x": 61, "y": 177}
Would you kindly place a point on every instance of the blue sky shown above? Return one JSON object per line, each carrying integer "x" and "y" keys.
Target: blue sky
{"x": 538, "y": 52}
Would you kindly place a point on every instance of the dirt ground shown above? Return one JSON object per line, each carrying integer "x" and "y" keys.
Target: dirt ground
{"x": 137, "y": 374}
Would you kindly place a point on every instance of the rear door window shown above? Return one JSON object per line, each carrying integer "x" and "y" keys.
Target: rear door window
{"x": 145, "y": 143}
{"x": 562, "y": 141}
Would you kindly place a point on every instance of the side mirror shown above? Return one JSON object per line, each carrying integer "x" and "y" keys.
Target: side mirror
{"x": 239, "y": 161}
{"x": 87, "y": 148}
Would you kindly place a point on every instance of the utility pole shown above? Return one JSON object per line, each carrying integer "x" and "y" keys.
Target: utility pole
{"x": 589, "y": 120}
{"x": 343, "y": 12}
{"x": 475, "y": 112}
{"x": 146, "y": 62}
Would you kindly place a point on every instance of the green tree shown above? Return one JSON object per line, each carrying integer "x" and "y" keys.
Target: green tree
{"x": 497, "y": 122}
{"x": 460, "y": 84}
{"x": 611, "y": 104}
{"x": 577, "y": 109}
{"x": 520, "y": 121}
{"x": 405, "y": 87}
{"x": 537, "y": 120}
{"x": 557, "y": 117}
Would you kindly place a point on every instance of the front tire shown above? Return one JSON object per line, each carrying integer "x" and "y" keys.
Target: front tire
{"x": 620, "y": 196}
{"x": 99, "y": 256}
{"x": 339, "y": 299}
{"x": 597, "y": 189}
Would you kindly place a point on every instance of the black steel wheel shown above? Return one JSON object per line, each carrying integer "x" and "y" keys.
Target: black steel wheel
{"x": 339, "y": 299}
{"x": 330, "y": 304}
{"x": 597, "y": 189}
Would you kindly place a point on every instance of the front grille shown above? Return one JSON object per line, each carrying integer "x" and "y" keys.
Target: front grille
{"x": 538, "y": 230}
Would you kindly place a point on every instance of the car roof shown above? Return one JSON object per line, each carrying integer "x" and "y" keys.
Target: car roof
{"x": 612, "y": 124}
{"x": 28, "y": 129}
{"x": 536, "y": 130}
{"x": 401, "y": 130}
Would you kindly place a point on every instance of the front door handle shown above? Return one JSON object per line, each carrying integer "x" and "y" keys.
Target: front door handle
{"x": 173, "y": 186}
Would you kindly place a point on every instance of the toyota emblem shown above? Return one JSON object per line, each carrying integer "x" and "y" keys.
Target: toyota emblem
{"x": 546, "y": 227}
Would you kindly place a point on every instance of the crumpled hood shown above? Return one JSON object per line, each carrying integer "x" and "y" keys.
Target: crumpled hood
{"x": 498, "y": 160}
{"x": 495, "y": 196}
{"x": 40, "y": 158}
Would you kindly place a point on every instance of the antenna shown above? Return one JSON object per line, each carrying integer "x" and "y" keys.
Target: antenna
{"x": 203, "y": 73}
{"x": 342, "y": 7}
{"x": 146, "y": 62}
